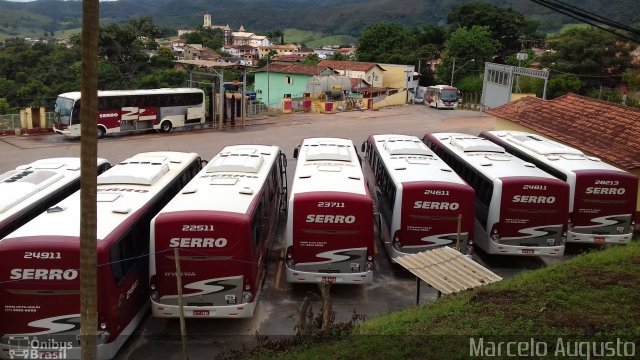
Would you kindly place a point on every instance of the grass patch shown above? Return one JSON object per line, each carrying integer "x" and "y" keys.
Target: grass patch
{"x": 593, "y": 297}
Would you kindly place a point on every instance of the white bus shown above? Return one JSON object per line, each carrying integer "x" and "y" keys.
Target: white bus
{"x": 31, "y": 189}
{"x": 39, "y": 262}
{"x": 330, "y": 231}
{"x": 602, "y": 204}
{"x": 132, "y": 110}
{"x": 520, "y": 209}
{"x": 223, "y": 224}
{"x": 442, "y": 97}
{"x": 419, "y": 197}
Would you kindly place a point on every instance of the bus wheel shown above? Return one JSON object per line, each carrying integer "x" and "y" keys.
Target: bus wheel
{"x": 165, "y": 126}
{"x": 100, "y": 132}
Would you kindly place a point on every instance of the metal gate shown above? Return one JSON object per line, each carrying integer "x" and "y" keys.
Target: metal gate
{"x": 498, "y": 82}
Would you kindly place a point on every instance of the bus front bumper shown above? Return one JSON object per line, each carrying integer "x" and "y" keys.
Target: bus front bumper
{"x": 585, "y": 238}
{"x": 295, "y": 276}
{"x": 225, "y": 311}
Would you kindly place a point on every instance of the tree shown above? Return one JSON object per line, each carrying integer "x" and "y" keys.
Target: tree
{"x": 5, "y": 108}
{"x": 470, "y": 47}
{"x": 386, "y": 43}
{"x": 598, "y": 57}
{"x": 507, "y": 26}
{"x": 632, "y": 78}
{"x": 562, "y": 84}
{"x": 312, "y": 59}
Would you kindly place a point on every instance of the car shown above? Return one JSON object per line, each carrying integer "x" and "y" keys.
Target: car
{"x": 418, "y": 100}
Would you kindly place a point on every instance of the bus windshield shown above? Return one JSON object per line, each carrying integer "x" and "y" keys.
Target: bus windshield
{"x": 63, "y": 111}
{"x": 449, "y": 95}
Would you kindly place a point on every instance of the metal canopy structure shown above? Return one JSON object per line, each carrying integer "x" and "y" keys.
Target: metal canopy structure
{"x": 447, "y": 270}
{"x": 498, "y": 82}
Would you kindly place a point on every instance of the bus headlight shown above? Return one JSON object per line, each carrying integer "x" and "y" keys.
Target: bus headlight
{"x": 103, "y": 326}
{"x": 154, "y": 295}
{"x": 632, "y": 227}
{"x": 290, "y": 263}
{"x": 495, "y": 237}
{"x": 246, "y": 296}
{"x": 570, "y": 226}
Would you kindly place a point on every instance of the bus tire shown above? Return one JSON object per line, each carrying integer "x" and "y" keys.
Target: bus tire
{"x": 165, "y": 126}
{"x": 100, "y": 132}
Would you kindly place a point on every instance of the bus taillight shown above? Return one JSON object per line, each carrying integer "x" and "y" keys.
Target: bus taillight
{"x": 153, "y": 287}
{"x": 495, "y": 236}
{"x": 396, "y": 241}
{"x": 368, "y": 265}
{"x": 290, "y": 262}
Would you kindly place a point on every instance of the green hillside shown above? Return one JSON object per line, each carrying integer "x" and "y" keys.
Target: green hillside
{"x": 593, "y": 297}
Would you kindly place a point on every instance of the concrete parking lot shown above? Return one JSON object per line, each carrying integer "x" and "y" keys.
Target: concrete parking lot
{"x": 393, "y": 288}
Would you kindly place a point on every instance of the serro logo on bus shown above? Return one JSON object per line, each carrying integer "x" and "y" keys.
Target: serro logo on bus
{"x": 198, "y": 242}
{"x": 43, "y": 274}
{"x": 436, "y": 205}
{"x": 108, "y": 115}
{"x": 605, "y": 191}
{"x": 527, "y": 199}
{"x": 331, "y": 219}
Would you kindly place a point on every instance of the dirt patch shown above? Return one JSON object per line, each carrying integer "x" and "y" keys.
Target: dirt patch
{"x": 596, "y": 279}
{"x": 575, "y": 322}
{"x": 496, "y": 297}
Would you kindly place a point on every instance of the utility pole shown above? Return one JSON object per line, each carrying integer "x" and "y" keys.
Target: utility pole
{"x": 88, "y": 180}
{"x": 453, "y": 70}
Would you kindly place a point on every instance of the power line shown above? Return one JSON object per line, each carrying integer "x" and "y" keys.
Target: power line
{"x": 572, "y": 13}
{"x": 593, "y": 16}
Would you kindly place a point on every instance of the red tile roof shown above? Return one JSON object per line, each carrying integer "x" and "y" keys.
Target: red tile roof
{"x": 348, "y": 65}
{"x": 302, "y": 69}
{"x": 609, "y": 131}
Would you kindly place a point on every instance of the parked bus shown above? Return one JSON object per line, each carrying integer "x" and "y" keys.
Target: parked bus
{"x": 39, "y": 277}
{"x": 602, "y": 204}
{"x": 223, "y": 224}
{"x": 131, "y": 110}
{"x": 31, "y": 189}
{"x": 520, "y": 209}
{"x": 442, "y": 97}
{"x": 419, "y": 197}
{"x": 329, "y": 234}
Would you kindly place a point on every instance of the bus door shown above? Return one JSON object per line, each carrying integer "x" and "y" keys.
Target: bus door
{"x": 40, "y": 287}
{"x": 604, "y": 203}
{"x": 332, "y": 232}
{"x": 215, "y": 264}
{"x": 430, "y": 216}
{"x": 532, "y": 212}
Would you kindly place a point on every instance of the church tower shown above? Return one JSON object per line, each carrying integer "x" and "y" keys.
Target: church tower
{"x": 207, "y": 21}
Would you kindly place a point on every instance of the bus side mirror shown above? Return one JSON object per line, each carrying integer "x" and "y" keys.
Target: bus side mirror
{"x": 363, "y": 146}
{"x": 296, "y": 150}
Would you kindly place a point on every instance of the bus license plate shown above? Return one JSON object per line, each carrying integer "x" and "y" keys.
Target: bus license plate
{"x": 527, "y": 251}
{"x": 598, "y": 239}
{"x": 200, "y": 312}
{"x": 328, "y": 279}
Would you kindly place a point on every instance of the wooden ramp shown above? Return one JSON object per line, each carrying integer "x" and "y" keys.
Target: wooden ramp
{"x": 447, "y": 270}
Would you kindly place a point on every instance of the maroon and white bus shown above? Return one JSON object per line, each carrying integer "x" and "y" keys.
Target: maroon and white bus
{"x": 132, "y": 110}
{"x": 39, "y": 276}
{"x": 603, "y": 198}
{"x": 223, "y": 224}
{"x": 31, "y": 189}
{"x": 520, "y": 209}
{"x": 330, "y": 231}
{"x": 419, "y": 197}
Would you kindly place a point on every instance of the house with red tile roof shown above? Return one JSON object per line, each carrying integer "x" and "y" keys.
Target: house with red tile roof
{"x": 599, "y": 128}
{"x": 371, "y": 72}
